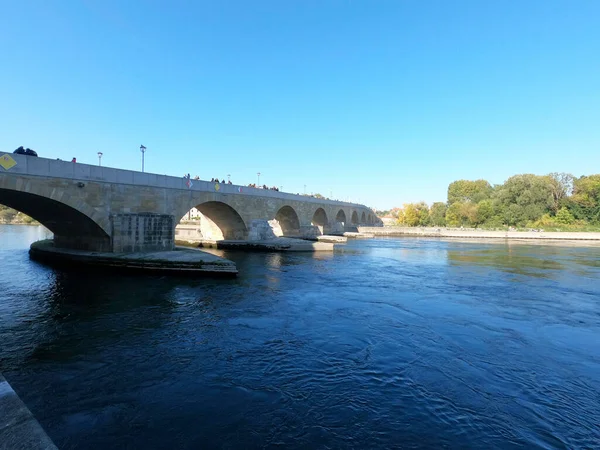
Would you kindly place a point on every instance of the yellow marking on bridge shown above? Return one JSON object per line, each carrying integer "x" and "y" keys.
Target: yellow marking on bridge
{"x": 7, "y": 162}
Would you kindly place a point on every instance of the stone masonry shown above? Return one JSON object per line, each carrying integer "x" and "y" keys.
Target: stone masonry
{"x": 104, "y": 209}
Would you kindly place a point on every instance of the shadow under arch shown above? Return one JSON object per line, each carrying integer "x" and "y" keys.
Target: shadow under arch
{"x": 71, "y": 228}
{"x": 219, "y": 221}
{"x": 363, "y": 217}
{"x": 288, "y": 221}
{"x": 319, "y": 218}
{"x": 341, "y": 216}
{"x": 354, "y": 218}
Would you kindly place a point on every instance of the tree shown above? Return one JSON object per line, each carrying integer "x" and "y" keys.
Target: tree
{"x": 584, "y": 204}
{"x": 564, "y": 217}
{"x": 461, "y": 214}
{"x": 437, "y": 214}
{"x": 561, "y": 185}
{"x": 414, "y": 214}
{"x": 463, "y": 191}
{"x": 523, "y": 198}
{"x": 485, "y": 211}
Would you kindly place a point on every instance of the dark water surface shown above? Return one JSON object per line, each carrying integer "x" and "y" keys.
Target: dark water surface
{"x": 404, "y": 343}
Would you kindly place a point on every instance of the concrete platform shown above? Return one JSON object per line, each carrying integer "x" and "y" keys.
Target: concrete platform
{"x": 353, "y": 235}
{"x": 181, "y": 261}
{"x": 270, "y": 245}
{"x": 18, "y": 427}
{"x": 328, "y": 238}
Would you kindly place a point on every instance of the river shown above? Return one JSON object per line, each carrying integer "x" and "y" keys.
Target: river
{"x": 410, "y": 343}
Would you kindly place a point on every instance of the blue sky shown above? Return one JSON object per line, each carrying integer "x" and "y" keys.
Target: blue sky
{"x": 380, "y": 101}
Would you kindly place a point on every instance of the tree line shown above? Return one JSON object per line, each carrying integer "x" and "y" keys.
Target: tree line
{"x": 556, "y": 200}
{"x": 9, "y": 215}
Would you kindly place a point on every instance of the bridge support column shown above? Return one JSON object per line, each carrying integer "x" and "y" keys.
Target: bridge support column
{"x": 337, "y": 227}
{"x": 260, "y": 230}
{"x": 142, "y": 232}
{"x": 311, "y": 231}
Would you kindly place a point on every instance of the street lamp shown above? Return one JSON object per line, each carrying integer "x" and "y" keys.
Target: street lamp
{"x": 258, "y": 177}
{"x": 99, "y": 158}
{"x": 304, "y": 189}
{"x": 143, "y": 150}
{"x": 228, "y": 176}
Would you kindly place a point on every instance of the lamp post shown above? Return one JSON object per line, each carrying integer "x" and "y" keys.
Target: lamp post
{"x": 143, "y": 150}
{"x": 99, "y": 158}
{"x": 304, "y": 189}
{"x": 228, "y": 178}
{"x": 258, "y": 178}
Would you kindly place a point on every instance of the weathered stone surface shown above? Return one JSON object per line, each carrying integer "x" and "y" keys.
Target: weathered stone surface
{"x": 18, "y": 427}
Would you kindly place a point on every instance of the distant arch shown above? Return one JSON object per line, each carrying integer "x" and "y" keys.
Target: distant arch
{"x": 319, "y": 218}
{"x": 71, "y": 227}
{"x": 354, "y": 218}
{"x": 288, "y": 221}
{"x": 341, "y": 216}
{"x": 363, "y": 217}
{"x": 219, "y": 221}
{"x": 369, "y": 219}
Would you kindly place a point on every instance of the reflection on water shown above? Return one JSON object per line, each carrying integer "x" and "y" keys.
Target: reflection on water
{"x": 536, "y": 264}
{"x": 384, "y": 343}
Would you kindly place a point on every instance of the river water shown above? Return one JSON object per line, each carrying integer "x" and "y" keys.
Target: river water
{"x": 407, "y": 343}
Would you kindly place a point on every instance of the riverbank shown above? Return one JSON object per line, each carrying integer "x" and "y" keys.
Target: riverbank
{"x": 479, "y": 234}
{"x": 181, "y": 261}
{"x": 18, "y": 427}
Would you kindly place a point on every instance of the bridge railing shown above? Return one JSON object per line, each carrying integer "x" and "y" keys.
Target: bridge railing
{"x": 54, "y": 168}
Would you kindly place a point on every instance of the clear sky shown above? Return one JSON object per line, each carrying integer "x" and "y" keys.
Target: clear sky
{"x": 377, "y": 101}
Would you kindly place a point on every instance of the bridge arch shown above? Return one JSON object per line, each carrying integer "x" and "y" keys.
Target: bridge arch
{"x": 363, "y": 217}
{"x": 354, "y": 218}
{"x": 288, "y": 221}
{"x": 219, "y": 221}
{"x": 341, "y": 217}
{"x": 72, "y": 227}
{"x": 319, "y": 218}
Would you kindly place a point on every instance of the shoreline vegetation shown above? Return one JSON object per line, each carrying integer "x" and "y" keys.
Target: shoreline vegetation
{"x": 9, "y": 216}
{"x": 557, "y": 202}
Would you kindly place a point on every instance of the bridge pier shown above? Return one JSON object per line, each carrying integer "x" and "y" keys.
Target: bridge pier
{"x": 142, "y": 232}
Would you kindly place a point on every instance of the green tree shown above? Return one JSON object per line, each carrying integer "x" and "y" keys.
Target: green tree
{"x": 584, "y": 204}
{"x": 463, "y": 191}
{"x": 461, "y": 214}
{"x": 561, "y": 185}
{"x": 564, "y": 217}
{"x": 437, "y": 214}
{"x": 523, "y": 198}
{"x": 485, "y": 211}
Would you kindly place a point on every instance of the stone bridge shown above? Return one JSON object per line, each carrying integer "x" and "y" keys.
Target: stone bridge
{"x": 104, "y": 209}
